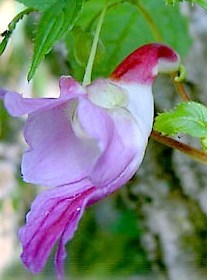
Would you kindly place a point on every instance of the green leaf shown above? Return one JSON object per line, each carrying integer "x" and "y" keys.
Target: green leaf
{"x": 202, "y": 3}
{"x": 173, "y": 26}
{"x": 125, "y": 29}
{"x": 188, "y": 117}
{"x": 11, "y": 27}
{"x": 41, "y": 5}
{"x": 53, "y": 25}
{"x": 173, "y": 2}
{"x": 4, "y": 43}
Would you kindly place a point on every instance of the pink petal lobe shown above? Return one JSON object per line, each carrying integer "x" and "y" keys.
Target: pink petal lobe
{"x": 56, "y": 155}
{"x": 125, "y": 143}
{"x": 54, "y": 217}
{"x": 17, "y": 105}
{"x": 122, "y": 132}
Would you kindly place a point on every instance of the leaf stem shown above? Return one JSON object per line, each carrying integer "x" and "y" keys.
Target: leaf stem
{"x": 194, "y": 153}
{"x": 180, "y": 88}
{"x": 89, "y": 67}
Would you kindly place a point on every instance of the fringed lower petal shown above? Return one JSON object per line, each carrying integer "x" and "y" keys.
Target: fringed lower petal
{"x": 54, "y": 217}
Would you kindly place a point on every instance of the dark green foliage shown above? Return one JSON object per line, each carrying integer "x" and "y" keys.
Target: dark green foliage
{"x": 125, "y": 28}
{"x": 55, "y": 21}
{"x": 127, "y": 25}
{"x": 41, "y": 5}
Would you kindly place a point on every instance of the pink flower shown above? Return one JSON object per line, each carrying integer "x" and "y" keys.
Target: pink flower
{"x": 88, "y": 142}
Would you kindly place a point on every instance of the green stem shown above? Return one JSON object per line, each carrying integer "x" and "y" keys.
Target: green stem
{"x": 181, "y": 90}
{"x": 89, "y": 67}
{"x": 194, "y": 153}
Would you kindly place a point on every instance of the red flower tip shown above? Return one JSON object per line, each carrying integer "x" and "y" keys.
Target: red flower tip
{"x": 146, "y": 62}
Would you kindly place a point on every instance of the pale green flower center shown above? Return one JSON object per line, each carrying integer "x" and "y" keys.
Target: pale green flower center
{"x": 107, "y": 95}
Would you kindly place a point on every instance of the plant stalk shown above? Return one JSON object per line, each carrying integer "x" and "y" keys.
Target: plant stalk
{"x": 194, "y": 153}
{"x": 89, "y": 67}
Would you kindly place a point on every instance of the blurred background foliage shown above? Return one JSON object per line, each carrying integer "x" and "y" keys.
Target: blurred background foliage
{"x": 108, "y": 241}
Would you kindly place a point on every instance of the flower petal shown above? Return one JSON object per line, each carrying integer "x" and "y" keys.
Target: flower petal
{"x": 56, "y": 155}
{"x": 126, "y": 143}
{"x": 140, "y": 105}
{"x": 54, "y": 216}
{"x": 122, "y": 133}
{"x": 143, "y": 64}
{"x": 59, "y": 153}
{"x": 18, "y": 105}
